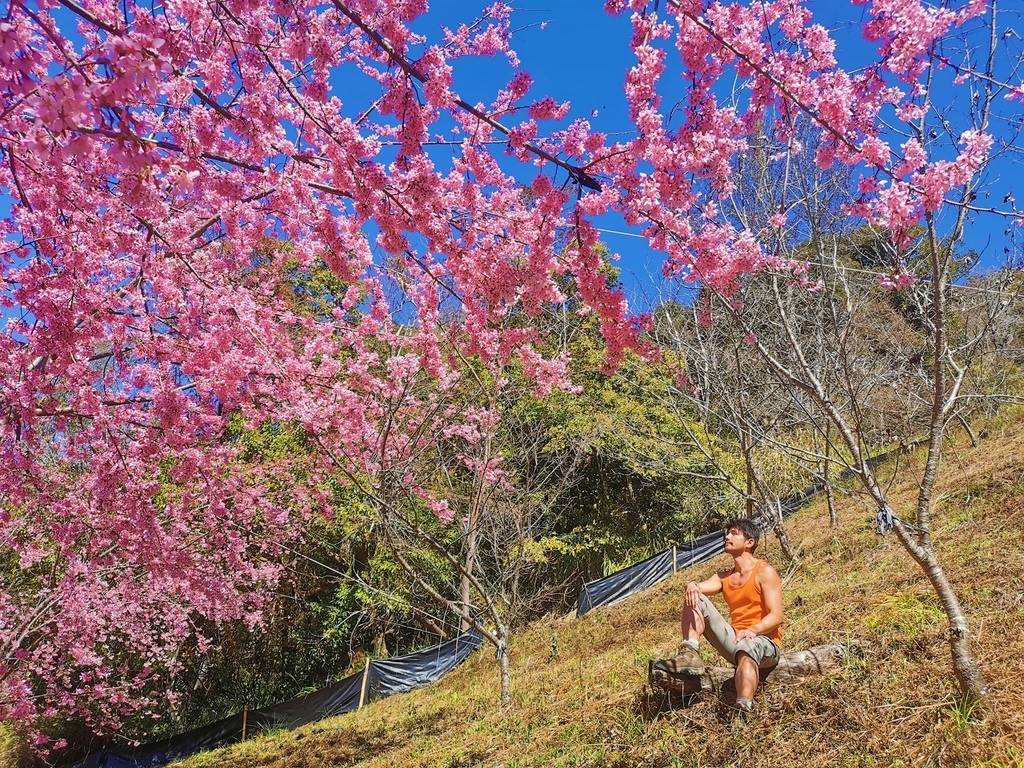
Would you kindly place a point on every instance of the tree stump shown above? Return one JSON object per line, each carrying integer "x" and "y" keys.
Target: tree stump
{"x": 792, "y": 666}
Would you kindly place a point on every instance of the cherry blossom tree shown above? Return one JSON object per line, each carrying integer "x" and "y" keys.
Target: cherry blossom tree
{"x": 150, "y": 151}
{"x": 919, "y": 173}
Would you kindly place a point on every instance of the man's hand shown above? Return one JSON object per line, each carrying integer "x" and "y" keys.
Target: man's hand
{"x": 694, "y": 590}
{"x": 745, "y": 634}
{"x": 693, "y": 594}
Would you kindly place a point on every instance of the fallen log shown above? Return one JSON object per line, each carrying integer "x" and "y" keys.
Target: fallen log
{"x": 792, "y": 666}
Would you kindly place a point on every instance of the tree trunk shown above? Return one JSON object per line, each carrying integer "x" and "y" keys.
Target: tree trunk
{"x": 380, "y": 646}
{"x": 465, "y": 583}
{"x": 792, "y": 666}
{"x": 833, "y": 516}
{"x": 779, "y": 529}
{"x": 506, "y": 675}
{"x": 965, "y": 667}
{"x": 787, "y": 546}
{"x": 748, "y": 461}
{"x": 967, "y": 428}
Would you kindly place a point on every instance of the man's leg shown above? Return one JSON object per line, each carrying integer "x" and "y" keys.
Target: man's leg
{"x": 746, "y": 678}
{"x": 713, "y": 627}
{"x": 705, "y": 620}
{"x": 751, "y": 657}
{"x": 693, "y": 624}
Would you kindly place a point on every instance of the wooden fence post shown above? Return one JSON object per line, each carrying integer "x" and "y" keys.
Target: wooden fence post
{"x": 366, "y": 680}
{"x": 675, "y": 568}
{"x": 245, "y": 721}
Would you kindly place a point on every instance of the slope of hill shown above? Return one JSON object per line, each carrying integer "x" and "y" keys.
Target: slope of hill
{"x": 579, "y": 684}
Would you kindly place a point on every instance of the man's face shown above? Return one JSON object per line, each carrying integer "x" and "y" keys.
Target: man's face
{"x": 735, "y": 541}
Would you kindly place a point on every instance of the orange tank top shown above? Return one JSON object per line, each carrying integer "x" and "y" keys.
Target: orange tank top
{"x": 746, "y": 604}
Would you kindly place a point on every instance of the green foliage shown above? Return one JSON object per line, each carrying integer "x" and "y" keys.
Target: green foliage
{"x": 637, "y": 487}
{"x": 907, "y": 614}
{"x": 965, "y": 713}
{"x": 312, "y": 291}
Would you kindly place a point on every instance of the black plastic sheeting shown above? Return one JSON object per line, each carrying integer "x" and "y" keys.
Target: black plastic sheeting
{"x": 334, "y": 700}
{"x": 654, "y": 570}
{"x": 384, "y": 678}
{"x": 218, "y": 734}
{"x": 390, "y": 676}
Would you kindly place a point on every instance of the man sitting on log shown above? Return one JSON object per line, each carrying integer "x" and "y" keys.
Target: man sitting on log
{"x": 753, "y": 591}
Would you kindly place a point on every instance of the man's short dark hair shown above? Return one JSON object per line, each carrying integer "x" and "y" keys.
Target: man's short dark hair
{"x": 747, "y": 527}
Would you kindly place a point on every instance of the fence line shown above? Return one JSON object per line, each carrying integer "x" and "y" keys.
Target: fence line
{"x": 379, "y": 678}
{"x": 618, "y": 586}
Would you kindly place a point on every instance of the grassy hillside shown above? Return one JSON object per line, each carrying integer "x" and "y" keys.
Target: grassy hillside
{"x": 579, "y": 684}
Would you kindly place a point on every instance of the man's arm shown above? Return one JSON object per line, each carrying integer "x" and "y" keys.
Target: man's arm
{"x": 771, "y": 590}
{"x": 694, "y": 590}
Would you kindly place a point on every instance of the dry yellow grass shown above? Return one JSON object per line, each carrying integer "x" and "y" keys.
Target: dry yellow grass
{"x": 579, "y": 684}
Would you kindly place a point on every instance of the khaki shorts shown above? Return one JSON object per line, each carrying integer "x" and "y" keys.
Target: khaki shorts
{"x": 722, "y": 637}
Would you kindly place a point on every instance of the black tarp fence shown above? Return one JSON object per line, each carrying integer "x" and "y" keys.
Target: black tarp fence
{"x": 625, "y": 583}
{"x": 379, "y": 679}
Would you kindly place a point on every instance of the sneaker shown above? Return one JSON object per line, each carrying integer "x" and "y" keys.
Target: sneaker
{"x": 738, "y": 721}
{"x": 744, "y": 705}
{"x": 688, "y": 662}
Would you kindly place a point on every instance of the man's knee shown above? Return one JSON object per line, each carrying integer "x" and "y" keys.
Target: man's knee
{"x": 760, "y": 651}
{"x": 744, "y": 656}
{"x": 706, "y": 607}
